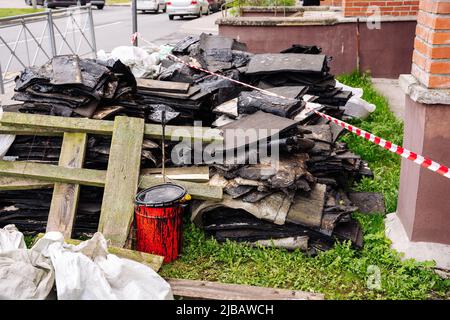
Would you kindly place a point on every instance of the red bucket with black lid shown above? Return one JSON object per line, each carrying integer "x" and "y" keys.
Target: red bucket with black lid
{"x": 159, "y": 218}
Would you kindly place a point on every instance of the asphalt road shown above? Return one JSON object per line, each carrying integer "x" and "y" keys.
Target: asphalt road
{"x": 113, "y": 27}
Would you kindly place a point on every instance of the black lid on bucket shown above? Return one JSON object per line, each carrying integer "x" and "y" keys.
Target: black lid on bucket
{"x": 161, "y": 195}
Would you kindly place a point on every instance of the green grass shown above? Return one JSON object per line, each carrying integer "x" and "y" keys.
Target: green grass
{"x": 8, "y": 12}
{"x": 341, "y": 273}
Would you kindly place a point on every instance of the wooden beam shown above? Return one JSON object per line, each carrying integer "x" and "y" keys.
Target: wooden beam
{"x": 192, "y": 174}
{"x": 153, "y": 261}
{"x": 64, "y": 203}
{"x": 55, "y": 123}
{"x": 30, "y": 124}
{"x": 199, "y": 191}
{"x": 14, "y": 183}
{"x": 194, "y": 289}
{"x": 52, "y": 173}
{"x": 28, "y": 131}
{"x": 122, "y": 179}
{"x": 30, "y": 175}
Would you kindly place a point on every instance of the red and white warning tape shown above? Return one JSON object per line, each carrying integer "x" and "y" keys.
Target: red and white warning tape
{"x": 403, "y": 152}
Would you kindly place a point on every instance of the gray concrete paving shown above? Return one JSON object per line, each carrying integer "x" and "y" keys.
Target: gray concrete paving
{"x": 13, "y": 4}
{"x": 395, "y": 95}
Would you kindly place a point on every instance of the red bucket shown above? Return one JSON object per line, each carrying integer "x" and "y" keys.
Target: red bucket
{"x": 159, "y": 218}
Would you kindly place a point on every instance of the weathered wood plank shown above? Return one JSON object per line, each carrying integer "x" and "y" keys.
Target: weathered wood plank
{"x": 52, "y": 173}
{"x": 195, "y": 289}
{"x": 22, "y": 123}
{"x": 14, "y": 183}
{"x": 54, "y": 123}
{"x": 64, "y": 203}
{"x": 153, "y": 261}
{"x": 122, "y": 179}
{"x": 27, "y": 174}
{"x": 192, "y": 174}
{"x": 28, "y": 131}
{"x": 162, "y": 86}
{"x": 199, "y": 191}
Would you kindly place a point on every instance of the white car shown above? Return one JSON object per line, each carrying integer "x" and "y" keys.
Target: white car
{"x": 151, "y": 5}
{"x": 183, "y": 8}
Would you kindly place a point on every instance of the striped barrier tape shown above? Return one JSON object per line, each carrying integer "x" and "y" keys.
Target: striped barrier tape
{"x": 388, "y": 145}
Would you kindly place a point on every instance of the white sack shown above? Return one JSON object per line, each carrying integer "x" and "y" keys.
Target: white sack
{"x": 88, "y": 272}
{"x": 83, "y": 272}
{"x": 11, "y": 239}
{"x": 24, "y": 274}
{"x": 143, "y": 63}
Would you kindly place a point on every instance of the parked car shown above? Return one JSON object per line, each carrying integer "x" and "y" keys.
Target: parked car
{"x": 215, "y": 5}
{"x": 51, "y": 4}
{"x": 184, "y": 8}
{"x": 151, "y": 5}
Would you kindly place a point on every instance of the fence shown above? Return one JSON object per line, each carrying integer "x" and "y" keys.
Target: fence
{"x": 33, "y": 39}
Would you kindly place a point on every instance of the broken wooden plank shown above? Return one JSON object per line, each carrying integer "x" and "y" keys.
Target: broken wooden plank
{"x": 122, "y": 177}
{"x": 28, "y": 174}
{"x": 21, "y": 123}
{"x": 192, "y": 174}
{"x": 152, "y": 260}
{"x": 162, "y": 86}
{"x": 196, "y": 289}
{"x": 64, "y": 203}
{"x": 199, "y": 191}
{"x": 104, "y": 112}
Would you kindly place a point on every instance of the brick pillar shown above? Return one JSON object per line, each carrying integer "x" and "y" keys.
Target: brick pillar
{"x": 424, "y": 197}
{"x": 362, "y": 8}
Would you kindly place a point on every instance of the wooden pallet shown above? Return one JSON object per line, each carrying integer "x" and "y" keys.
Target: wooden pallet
{"x": 121, "y": 180}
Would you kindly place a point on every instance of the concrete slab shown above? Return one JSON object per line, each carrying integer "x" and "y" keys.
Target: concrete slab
{"x": 390, "y": 88}
{"x": 420, "y": 251}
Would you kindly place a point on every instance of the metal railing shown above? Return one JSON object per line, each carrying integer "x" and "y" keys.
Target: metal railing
{"x": 33, "y": 39}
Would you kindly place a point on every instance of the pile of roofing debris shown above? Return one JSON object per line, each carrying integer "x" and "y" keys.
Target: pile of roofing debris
{"x": 299, "y": 201}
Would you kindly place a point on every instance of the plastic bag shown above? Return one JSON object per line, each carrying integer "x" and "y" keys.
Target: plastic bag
{"x": 83, "y": 272}
{"x": 11, "y": 239}
{"x": 24, "y": 274}
{"x": 143, "y": 63}
{"x": 88, "y": 272}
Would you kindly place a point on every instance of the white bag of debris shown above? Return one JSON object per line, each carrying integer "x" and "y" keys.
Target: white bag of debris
{"x": 24, "y": 274}
{"x": 88, "y": 272}
{"x": 143, "y": 63}
{"x": 356, "y": 106}
{"x": 83, "y": 272}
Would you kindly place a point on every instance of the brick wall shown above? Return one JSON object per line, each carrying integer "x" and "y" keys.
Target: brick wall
{"x": 336, "y": 3}
{"x": 355, "y": 8}
{"x": 431, "y": 57}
